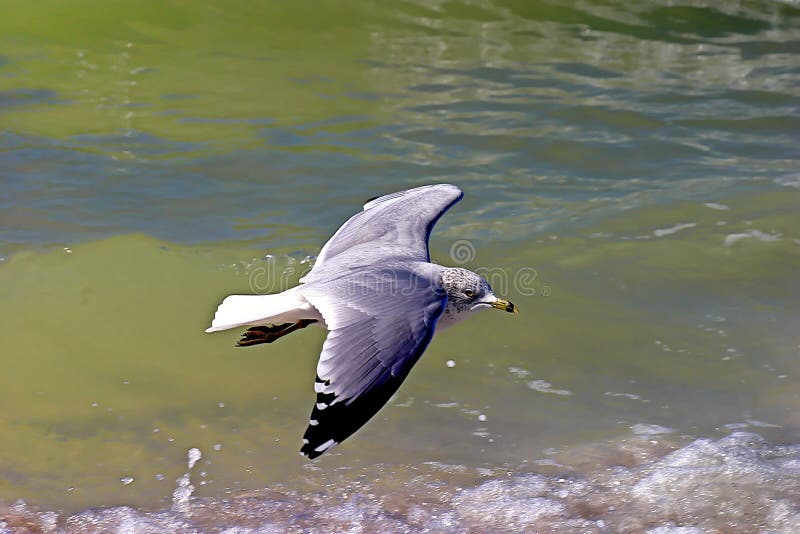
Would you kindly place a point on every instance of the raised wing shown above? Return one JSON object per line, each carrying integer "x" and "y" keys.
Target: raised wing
{"x": 398, "y": 224}
{"x": 379, "y": 323}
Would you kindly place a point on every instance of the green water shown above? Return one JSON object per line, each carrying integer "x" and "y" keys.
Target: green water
{"x": 112, "y": 376}
{"x": 152, "y": 154}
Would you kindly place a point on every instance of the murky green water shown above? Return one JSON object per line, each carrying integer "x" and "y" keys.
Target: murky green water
{"x": 631, "y": 180}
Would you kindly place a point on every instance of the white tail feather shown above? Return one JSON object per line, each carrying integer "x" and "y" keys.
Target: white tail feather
{"x": 240, "y": 310}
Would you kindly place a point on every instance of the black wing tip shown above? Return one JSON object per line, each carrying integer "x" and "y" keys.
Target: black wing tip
{"x": 317, "y": 441}
{"x": 307, "y": 451}
{"x": 315, "y": 449}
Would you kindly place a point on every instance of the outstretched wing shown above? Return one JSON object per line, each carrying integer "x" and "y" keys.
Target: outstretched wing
{"x": 397, "y": 224}
{"x": 379, "y": 324}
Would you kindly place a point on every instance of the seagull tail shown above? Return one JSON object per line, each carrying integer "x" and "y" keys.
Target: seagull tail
{"x": 252, "y": 310}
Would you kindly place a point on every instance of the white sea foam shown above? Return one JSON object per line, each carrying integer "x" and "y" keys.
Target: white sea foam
{"x": 661, "y": 232}
{"x": 730, "y": 239}
{"x": 650, "y": 481}
{"x": 182, "y": 495}
{"x": 543, "y": 386}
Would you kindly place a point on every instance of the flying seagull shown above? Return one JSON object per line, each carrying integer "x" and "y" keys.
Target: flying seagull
{"x": 376, "y": 291}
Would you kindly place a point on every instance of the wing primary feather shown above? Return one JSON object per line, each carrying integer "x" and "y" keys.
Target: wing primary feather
{"x": 398, "y": 222}
{"x": 338, "y": 421}
{"x": 363, "y": 364}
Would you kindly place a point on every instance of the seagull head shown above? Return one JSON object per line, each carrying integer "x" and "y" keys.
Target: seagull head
{"x": 468, "y": 291}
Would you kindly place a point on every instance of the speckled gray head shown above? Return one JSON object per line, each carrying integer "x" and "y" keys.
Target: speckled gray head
{"x": 468, "y": 292}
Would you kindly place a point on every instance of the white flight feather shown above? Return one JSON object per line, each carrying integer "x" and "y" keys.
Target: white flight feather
{"x": 252, "y": 310}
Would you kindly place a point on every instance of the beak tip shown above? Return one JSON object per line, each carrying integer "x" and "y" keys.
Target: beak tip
{"x": 505, "y": 305}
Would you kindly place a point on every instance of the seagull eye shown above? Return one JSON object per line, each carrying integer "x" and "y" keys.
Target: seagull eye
{"x": 469, "y": 293}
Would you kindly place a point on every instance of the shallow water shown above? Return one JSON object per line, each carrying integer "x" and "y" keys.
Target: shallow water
{"x": 658, "y": 484}
{"x": 632, "y": 184}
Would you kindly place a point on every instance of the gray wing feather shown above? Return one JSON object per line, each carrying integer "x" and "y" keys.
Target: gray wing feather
{"x": 379, "y": 322}
{"x": 397, "y": 224}
{"x": 374, "y": 319}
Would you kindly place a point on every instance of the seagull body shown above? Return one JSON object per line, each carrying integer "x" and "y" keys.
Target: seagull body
{"x": 375, "y": 290}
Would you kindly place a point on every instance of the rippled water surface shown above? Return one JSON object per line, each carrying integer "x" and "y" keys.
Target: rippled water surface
{"x": 632, "y": 183}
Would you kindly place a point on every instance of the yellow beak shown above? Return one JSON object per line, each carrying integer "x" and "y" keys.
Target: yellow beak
{"x": 502, "y": 304}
